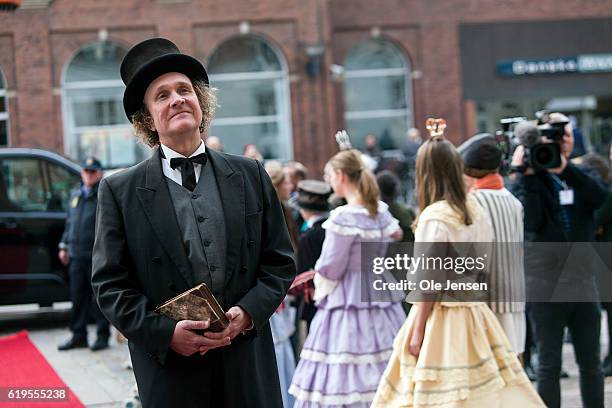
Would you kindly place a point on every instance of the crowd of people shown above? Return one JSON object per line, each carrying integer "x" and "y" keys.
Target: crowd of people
{"x": 344, "y": 347}
{"x": 192, "y": 214}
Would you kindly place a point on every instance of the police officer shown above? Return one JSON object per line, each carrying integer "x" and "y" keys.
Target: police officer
{"x": 75, "y": 250}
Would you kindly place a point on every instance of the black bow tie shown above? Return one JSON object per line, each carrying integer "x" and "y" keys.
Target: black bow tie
{"x": 187, "y": 171}
{"x": 180, "y": 161}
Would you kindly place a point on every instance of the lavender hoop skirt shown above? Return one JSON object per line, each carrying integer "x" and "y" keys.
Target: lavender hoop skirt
{"x": 344, "y": 356}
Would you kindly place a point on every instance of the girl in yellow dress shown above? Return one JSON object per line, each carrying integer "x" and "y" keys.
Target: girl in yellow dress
{"x": 451, "y": 354}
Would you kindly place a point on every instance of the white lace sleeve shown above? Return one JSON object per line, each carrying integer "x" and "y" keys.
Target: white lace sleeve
{"x": 323, "y": 286}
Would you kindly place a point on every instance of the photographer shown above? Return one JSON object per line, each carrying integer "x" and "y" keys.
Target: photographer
{"x": 559, "y": 205}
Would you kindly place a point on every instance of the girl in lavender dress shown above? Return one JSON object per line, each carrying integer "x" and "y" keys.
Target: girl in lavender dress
{"x": 351, "y": 338}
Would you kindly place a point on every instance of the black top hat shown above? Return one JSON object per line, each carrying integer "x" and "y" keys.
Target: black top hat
{"x": 313, "y": 195}
{"x": 148, "y": 60}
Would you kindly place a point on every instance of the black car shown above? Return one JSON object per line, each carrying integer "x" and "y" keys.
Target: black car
{"x": 35, "y": 188}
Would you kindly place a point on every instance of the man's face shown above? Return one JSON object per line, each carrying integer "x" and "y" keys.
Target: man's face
{"x": 290, "y": 177}
{"x": 370, "y": 140}
{"x": 91, "y": 177}
{"x": 173, "y": 105}
{"x": 285, "y": 189}
{"x": 567, "y": 143}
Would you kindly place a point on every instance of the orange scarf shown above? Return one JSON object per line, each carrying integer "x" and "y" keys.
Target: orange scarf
{"x": 492, "y": 181}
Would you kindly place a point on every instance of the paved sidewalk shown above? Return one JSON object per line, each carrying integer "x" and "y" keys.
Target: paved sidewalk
{"x": 100, "y": 379}
{"x": 570, "y": 387}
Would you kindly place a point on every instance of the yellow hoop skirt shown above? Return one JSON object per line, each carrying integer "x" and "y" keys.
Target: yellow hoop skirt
{"x": 465, "y": 361}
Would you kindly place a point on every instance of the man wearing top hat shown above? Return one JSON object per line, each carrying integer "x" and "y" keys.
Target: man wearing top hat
{"x": 75, "y": 249}
{"x": 185, "y": 216}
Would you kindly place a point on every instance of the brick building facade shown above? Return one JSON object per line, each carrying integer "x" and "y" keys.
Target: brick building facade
{"x": 39, "y": 40}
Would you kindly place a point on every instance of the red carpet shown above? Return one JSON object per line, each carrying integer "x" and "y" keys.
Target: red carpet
{"x": 23, "y": 366}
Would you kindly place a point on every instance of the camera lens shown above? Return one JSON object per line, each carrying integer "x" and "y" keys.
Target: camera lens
{"x": 543, "y": 156}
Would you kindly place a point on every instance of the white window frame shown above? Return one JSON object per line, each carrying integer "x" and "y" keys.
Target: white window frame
{"x": 283, "y": 103}
{"x": 404, "y": 71}
{"x": 71, "y": 142}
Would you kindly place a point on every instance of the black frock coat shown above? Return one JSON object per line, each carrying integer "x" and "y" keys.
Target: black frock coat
{"x": 139, "y": 262}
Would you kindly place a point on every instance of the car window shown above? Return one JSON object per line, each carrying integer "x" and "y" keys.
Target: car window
{"x": 62, "y": 183}
{"x": 21, "y": 185}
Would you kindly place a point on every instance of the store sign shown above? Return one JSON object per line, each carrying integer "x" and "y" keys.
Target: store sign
{"x": 590, "y": 63}
{"x": 595, "y": 63}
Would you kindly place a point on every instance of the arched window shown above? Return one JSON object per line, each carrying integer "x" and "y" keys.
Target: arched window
{"x": 253, "y": 96}
{"x": 94, "y": 120}
{"x": 4, "y": 122}
{"x": 377, "y": 93}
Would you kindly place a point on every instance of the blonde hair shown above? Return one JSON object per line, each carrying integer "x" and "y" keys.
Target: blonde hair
{"x": 439, "y": 176}
{"x": 142, "y": 120}
{"x": 349, "y": 162}
{"x": 275, "y": 171}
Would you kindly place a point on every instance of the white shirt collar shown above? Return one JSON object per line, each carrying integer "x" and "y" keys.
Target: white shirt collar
{"x": 312, "y": 220}
{"x": 171, "y": 154}
{"x": 175, "y": 174}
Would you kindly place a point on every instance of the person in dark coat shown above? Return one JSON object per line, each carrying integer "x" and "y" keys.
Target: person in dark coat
{"x": 190, "y": 215}
{"x": 389, "y": 185}
{"x": 311, "y": 199}
{"x": 75, "y": 250}
{"x": 560, "y": 205}
{"x": 603, "y": 220}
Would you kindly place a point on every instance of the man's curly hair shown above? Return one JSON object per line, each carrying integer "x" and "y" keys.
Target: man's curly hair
{"x": 143, "y": 121}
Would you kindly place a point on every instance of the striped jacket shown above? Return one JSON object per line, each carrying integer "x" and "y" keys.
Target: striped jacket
{"x": 506, "y": 280}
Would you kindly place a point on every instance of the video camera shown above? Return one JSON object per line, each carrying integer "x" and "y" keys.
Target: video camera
{"x": 541, "y": 138}
{"x": 552, "y": 125}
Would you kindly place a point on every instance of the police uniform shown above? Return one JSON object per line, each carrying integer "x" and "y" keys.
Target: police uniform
{"x": 78, "y": 239}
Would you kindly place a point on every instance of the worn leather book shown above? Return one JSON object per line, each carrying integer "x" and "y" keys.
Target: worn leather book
{"x": 197, "y": 303}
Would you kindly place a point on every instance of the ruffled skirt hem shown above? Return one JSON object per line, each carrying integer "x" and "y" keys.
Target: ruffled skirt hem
{"x": 465, "y": 359}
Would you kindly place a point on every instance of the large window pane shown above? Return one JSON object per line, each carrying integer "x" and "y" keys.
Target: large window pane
{"x": 264, "y": 135}
{"x": 253, "y": 97}
{"x": 98, "y": 112}
{"x": 95, "y": 62}
{"x": 96, "y": 123}
{"x": 114, "y": 147}
{"x": 375, "y": 93}
{"x": 374, "y": 54}
{"x": 390, "y": 131}
{"x": 244, "y": 54}
{"x": 246, "y": 98}
{"x": 62, "y": 183}
{"x": 23, "y": 188}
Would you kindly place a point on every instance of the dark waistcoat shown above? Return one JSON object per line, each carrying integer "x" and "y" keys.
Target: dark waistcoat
{"x": 202, "y": 224}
